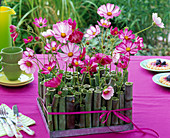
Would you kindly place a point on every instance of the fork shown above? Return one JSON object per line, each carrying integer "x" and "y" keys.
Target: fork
{"x": 4, "y": 114}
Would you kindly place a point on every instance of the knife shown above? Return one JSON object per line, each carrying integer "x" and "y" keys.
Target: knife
{"x": 6, "y": 127}
{"x": 19, "y": 123}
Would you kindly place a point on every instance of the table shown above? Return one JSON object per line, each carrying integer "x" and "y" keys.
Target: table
{"x": 151, "y": 103}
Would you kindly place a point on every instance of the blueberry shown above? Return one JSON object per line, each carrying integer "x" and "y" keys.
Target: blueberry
{"x": 168, "y": 78}
{"x": 157, "y": 62}
{"x": 163, "y": 63}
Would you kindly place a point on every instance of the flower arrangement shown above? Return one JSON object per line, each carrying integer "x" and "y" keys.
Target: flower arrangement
{"x": 103, "y": 69}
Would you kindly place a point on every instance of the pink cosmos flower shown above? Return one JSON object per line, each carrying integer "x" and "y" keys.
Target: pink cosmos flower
{"x": 92, "y": 32}
{"x": 70, "y": 52}
{"x": 29, "y": 53}
{"x": 48, "y": 67}
{"x": 157, "y": 20}
{"x": 30, "y": 38}
{"x": 14, "y": 32}
{"x": 89, "y": 65}
{"x": 127, "y": 47}
{"x": 77, "y": 62}
{"x": 37, "y": 38}
{"x": 62, "y": 31}
{"x": 114, "y": 32}
{"x": 48, "y": 34}
{"x": 27, "y": 65}
{"x": 102, "y": 59}
{"x": 72, "y": 23}
{"x": 115, "y": 56}
{"x": 123, "y": 61}
{"x": 126, "y": 35}
{"x": 83, "y": 53}
{"x": 52, "y": 47}
{"x": 139, "y": 41}
{"x": 104, "y": 23}
{"x": 107, "y": 11}
{"x": 54, "y": 82}
{"x": 76, "y": 36}
{"x": 40, "y": 22}
{"x": 108, "y": 93}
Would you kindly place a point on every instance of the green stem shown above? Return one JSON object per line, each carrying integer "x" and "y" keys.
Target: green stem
{"x": 144, "y": 29}
{"x": 89, "y": 77}
{"x": 105, "y": 35}
{"x": 102, "y": 35}
{"x": 83, "y": 79}
{"x": 66, "y": 72}
{"x": 78, "y": 77}
{"x": 38, "y": 61}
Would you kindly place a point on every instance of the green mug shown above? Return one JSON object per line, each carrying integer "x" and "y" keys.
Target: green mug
{"x": 11, "y": 54}
{"x": 11, "y": 71}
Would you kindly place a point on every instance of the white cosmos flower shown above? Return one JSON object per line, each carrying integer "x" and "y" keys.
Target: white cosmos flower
{"x": 157, "y": 20}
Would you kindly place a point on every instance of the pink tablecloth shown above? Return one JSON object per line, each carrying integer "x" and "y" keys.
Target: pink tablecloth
{"x": 151, "y": 104}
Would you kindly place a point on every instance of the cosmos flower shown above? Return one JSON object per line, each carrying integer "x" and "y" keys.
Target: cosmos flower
{"x": 48, "y": 67}
{"x": 30, "y": 38}
{"x": 108, "y": 93}
{"x": 70, "y": 52}
{"x": 108, "y": 11}
{"x": 114, "y": 31}
{"x": 76, "y": 37}
{"x": 27, "y": 65}
{"x": 77, "y": 62}
{"x": 104, "y": 23}
{"x": 40, "y": 22}
{"x": 92, "y": 32}
{"x": 157, "y": 20}
{"x": 28, "y": 53}
{"x": 52, "y": 47}
{"x": 62, "y": 31}
{"x": 139, "y": 41}
{"x": 102, "y": 59}
{"x": 13, "y": 30}
{"x": 54, "y": 82}
{"x": 127, "y": 35}
{"x": 48, "y": 34}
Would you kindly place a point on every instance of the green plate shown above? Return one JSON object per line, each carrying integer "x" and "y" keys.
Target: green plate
{"x": 156, "y": 78}
{"x": 144, "y": 63}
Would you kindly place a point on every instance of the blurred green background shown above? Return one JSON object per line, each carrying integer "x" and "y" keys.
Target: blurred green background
{"x": 136, "y": 14}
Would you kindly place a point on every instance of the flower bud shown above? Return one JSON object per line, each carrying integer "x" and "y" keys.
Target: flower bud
{"x": 104, "y": 47}
{"x": 70, "y": 66}
{"x": 59, "y": 92}
{"x": 108, "y": 37}
{"x": 112, "y": 40}
{"x": 87, "y": 43}
{"x": 94, "y": 48}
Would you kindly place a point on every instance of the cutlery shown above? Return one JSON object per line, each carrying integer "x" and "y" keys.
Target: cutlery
{"x": 19, "y": 123}
{"x": 4, "y": 114}
{"x": 6, "y": 127}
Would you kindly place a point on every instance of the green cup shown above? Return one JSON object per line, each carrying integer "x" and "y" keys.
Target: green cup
{"x": 11, "y": 71}
{"x": 11, "y": 54}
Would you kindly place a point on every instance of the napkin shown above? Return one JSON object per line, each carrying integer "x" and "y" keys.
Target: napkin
{"x": 24, "y": 119}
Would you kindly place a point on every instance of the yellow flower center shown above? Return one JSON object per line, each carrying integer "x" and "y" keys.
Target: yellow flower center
{"x": 49, "y": 68}
{"x": 29, "y": 39}
{"x": 63, "y": 35}
{"x": 54, "y": 49}
{"x": 115, "y": 32}
{"x": 72, "y": 30}
{"x": 128, "y": 49}
{"x": 48, "y": 37}
{"x": 76, "y": 63}
{"x": 104, "y": 24}
{"x": 94, "y": 33}
{"x": 29, "y": 55}
{"x": 28, "y": 64}
{"x": 88, "y": 68}
{"x": 70, "y": 54}
{"x": 109, "y": 13}
{"x": 126, "y": 37}
{"x": 106, "y": 92}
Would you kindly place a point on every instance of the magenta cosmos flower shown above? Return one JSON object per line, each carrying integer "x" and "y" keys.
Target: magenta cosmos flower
{"x": 27, "y": 65}
{"x": 70, "y": 52}
{"x": 52, "y": 47}
{"x": 92, "y": 32}
{"x": 127, "y": 47}
{"x": 48, "y": 34}
{"x": 62, "y": 31}
{"x": 54, "y": 82}
{"x": 157, "y": 20}
{"x": 89, "y": 65}
{"x": 14, "y": 32}
{"x": 76, "y": 36}
{"x": 83, "y": 53}
{"x": 114, "y": 31}
{"x": 77, "y": 62}
{"x": 102, "y": 59}
{"x": 104, "y": 23}
{"x": 108, "y": 11}
{"x": 29, "y": 53}
{"x": 30, "y": 38}
{"x": 40, "y": 22}
{"x": 123, "y": 61}
{"x": 127, "y": 35}
{"x": 48, "y": 67}
{"x": 72, "y": 23}
{"x": 139, "y": 41}
{"x": 108, "y": 93}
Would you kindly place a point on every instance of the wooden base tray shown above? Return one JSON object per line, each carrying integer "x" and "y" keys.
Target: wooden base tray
{"x": 84, "y": 131}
